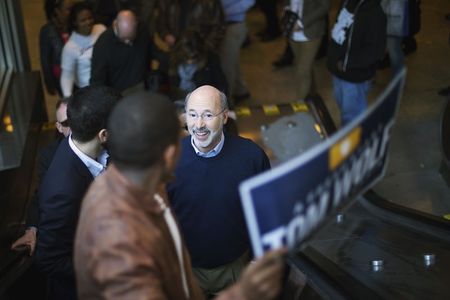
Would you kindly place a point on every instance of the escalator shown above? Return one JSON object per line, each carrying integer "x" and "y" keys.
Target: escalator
{"x": 375, "y": 249}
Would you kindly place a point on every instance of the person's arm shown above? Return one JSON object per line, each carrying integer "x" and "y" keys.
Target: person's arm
{"x": 99, "y": 62}
{"x": 28, "y": 239}
{"x": 373, "y": 43}
{"x": 68, "y": 69}
{"x": 46, "y": 62}
{"x": 58, "y": 218}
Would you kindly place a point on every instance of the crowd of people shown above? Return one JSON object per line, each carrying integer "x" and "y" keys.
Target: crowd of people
{"x": 163, "y": 220}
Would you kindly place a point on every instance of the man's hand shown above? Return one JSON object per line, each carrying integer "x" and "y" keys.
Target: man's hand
{"x": 27, "y": 240}
{"x": 261, "y": 280}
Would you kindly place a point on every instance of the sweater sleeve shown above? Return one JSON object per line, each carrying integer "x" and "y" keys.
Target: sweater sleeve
{"x": 99, "y": 62}
{"x": 68, "y": 69}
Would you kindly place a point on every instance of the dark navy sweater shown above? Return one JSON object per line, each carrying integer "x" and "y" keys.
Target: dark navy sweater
{"x": 205, "y": 199}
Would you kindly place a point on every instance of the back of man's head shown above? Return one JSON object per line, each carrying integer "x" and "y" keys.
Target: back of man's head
{"x": 140, "y": 129}
{"x": 88, "y": 111}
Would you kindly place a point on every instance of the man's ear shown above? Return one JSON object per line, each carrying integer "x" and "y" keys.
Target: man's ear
{"x": 103, "y": 135}
{"x": 59, "y": 127}
{"x": 225, "y": 117}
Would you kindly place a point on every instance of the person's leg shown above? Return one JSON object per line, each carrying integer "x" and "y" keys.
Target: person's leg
{"x": 337, "y": 91}
{"x": 304, "y": 53}
{"x": 213, "y": 281}
{"x": 396, "y": 56}
{"x": 230, "y": 58}
{"x": 269, "y": 9}
{"x": 354, "y": 99}
{"x": 286, "y": 59}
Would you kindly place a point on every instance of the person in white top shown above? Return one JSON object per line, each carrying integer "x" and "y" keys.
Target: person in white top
{"x": 77, "y": 52}
{"x": 305, "y": 40}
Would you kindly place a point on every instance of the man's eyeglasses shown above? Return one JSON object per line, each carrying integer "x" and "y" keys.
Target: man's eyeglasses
{"x": 206, "y": 116}
{"x": 64, "y": 123}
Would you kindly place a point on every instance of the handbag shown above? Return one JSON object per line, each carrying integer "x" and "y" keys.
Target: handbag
{"x": 288, "y": 22}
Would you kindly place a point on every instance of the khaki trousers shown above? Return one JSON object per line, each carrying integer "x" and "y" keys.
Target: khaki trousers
{"x": 305, "y": 55}
{"x": 212, "y": 281}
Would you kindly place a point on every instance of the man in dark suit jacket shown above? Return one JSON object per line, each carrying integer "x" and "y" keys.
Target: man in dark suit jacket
{"x": 28, "y": 239}
{"x": 77, "y": 161}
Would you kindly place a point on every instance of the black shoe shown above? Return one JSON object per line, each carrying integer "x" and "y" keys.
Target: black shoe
{"x": 283, "y": 61}
{"x": 445, "y": 92}
{"x": 246, "y": 42}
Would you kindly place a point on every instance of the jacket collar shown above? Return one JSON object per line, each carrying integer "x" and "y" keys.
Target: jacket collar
{"x": 140, "y": 197}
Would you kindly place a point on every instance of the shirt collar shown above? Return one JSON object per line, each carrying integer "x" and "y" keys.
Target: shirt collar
{"x": 212, "y": 152}
{"x": 95, "y": 167}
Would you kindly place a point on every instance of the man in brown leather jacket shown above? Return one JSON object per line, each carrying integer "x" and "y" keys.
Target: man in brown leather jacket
{"x": 128, "y": 245}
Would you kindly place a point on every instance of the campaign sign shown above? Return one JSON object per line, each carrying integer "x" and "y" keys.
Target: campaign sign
{"x": 284, "y": 205}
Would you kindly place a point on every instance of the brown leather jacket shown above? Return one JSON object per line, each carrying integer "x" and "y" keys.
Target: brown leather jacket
{"x": 124, "y": 249}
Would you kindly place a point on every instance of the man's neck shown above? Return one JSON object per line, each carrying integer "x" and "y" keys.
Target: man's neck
{"x": 91, "y": 148}
{"x": 147, "y": 179}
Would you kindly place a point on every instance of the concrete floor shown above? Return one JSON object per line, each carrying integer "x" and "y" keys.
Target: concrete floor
{"x": 412, "y": 178}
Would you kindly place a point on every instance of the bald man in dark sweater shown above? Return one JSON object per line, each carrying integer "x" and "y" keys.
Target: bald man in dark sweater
{"x": 205, "y": 194}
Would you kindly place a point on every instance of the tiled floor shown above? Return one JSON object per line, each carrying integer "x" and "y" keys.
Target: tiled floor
{"x": 412, "y": 178}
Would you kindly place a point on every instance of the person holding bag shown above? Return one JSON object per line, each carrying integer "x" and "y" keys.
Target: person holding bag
{"x": 305, "y": 24}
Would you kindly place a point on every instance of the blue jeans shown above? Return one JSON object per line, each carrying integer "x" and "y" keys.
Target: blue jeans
{"x": 350, "y": 97}
{"x": 396, "y": 56}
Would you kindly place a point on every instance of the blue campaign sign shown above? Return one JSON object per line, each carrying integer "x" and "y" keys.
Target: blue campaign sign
{"x": 284, "y": 205}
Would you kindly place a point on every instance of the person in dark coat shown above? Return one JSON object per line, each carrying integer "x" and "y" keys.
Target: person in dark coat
{"x": 194, "y": 64}
{"x": 52, "y": 37}
{"x": 357, "y": 45}
{"x": 28, "y": 239}
{"x": 77, "y": 161}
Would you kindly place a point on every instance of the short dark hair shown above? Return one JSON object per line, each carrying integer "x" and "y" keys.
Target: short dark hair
{"x": 140, "y": 128}
{"x": 76, "y": 9}
{"x": 50, "y": 6}
{"x": 88, "y": 111}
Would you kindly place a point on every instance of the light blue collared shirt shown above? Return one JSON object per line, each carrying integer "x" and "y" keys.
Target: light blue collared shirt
{"x": 94, "y": 167}
{"x": 212, "y": 152}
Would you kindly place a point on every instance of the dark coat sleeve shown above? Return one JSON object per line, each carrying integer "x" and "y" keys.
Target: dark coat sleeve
{"x": 373, "y": 41}
{"x": 51, "y": 82}
{"x": 99, "y": 63}
{"x": 44, "y": 160}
